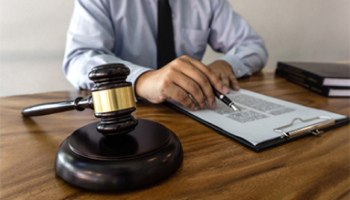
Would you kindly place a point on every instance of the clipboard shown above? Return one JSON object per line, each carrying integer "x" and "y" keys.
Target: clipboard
{"x": 327, "y": 124}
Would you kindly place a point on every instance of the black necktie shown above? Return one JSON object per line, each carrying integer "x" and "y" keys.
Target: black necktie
{"x": 165, "y": 38}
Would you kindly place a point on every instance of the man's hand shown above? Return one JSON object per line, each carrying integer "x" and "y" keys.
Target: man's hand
{"x": 224, "y": 71}
{"x": 178, "y": 79}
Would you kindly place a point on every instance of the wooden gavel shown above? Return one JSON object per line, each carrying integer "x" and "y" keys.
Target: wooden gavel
{"x": 112, "y": 99}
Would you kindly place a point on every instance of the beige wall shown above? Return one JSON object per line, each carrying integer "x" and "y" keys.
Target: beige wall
{"x": 32, "y": 37}
{"x": 32, "y": 40}
{"x": 299, "y": 30}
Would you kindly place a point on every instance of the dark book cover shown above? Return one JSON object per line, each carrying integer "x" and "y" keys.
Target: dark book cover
{"x": 318, "y": 72}
{"x": 311, "y": 85}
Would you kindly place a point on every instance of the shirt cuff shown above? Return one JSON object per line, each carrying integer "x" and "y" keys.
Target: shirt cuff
{"x": 135, "y": 72}
{"x": 238, "y": 68}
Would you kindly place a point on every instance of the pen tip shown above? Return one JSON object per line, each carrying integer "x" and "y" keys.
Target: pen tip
{"x": 235, "y": 108}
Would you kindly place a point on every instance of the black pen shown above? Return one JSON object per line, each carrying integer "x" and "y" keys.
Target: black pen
{"x": 226, "y": 100}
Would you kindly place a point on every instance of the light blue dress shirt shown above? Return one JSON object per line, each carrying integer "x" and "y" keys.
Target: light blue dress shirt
{"x": 125, "y": 31}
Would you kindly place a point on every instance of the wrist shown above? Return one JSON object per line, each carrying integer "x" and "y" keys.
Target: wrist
{"x": 140, "y": 84}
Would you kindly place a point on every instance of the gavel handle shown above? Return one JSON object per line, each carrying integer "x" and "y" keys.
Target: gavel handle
{"x": 79, "y": 104}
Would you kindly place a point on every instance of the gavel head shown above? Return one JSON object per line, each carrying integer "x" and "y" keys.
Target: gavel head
{"x": 113, "y": 99}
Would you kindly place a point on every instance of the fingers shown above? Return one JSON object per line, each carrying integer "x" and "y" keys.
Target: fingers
{"x": 168, "y": 89}
{"x": 230, "y": 80}
{"x": 180, "y": 95}
{"x": 195, "y": 73}
{"x": 176, "y": 85}
{"x": 234, "y": 82}
{"x": 193, "y": 89}
{"x": 213, "y": 79}
{"x": 225, "y": 80}
{"x": 225, "y": 72}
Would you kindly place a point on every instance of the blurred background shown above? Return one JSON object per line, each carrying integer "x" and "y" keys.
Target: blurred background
{"x": 33, "y": 34}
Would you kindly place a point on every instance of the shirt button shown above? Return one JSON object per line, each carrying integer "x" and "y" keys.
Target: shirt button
{"x": 238, "y": 71}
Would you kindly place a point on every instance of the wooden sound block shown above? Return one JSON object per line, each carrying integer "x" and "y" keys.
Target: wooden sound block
{"x": 144, "y": 156}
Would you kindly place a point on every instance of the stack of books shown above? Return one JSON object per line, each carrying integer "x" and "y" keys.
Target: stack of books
{"x": 327, "y": 79}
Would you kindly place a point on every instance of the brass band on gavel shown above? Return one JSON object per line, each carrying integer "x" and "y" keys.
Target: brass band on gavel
{"x": 114, "y": 99}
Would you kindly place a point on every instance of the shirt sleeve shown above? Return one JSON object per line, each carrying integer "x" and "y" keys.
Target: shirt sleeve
{"x": 90, "y": 42}
{"x": 230, "y": 34}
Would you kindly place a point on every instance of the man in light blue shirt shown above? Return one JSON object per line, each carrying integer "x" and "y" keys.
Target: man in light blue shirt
{"x": 125, "y": 31}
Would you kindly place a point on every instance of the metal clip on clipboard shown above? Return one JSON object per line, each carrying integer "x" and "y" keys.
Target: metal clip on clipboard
{"x": 314, "y": 128}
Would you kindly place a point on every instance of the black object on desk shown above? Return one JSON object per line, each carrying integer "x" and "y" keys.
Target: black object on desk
{"x": 327, "y": 79}
{"x": 119, "y": 152}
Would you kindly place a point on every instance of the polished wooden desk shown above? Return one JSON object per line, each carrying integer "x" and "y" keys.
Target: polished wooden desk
{"x": 214, "y": 166}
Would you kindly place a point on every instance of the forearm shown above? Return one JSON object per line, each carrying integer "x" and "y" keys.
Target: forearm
{"x": 91, "y": 42}
{"x": 246, "y": 60}
{"x": 77, "y": 67}
{"x": 230, "y": 34}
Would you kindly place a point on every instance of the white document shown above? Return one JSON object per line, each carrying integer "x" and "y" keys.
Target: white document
{"x": 259, "y": 117}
